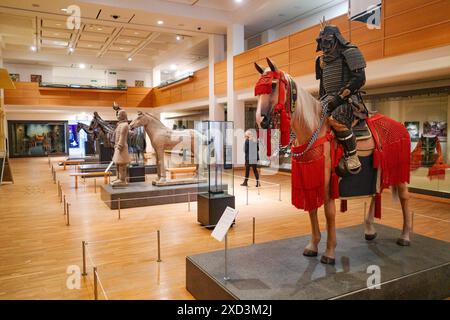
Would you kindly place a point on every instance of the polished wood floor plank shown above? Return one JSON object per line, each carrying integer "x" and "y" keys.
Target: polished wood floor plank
{"x": 36, "y": 247}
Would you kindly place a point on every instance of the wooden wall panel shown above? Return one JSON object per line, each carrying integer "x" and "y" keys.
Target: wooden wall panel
{"x": 419, "y": 40}
{"x": 304, "y": 37}
{"x": 29, "y": 93}
{"x": 246, "y": 57}
{"x": 303, "y": 53}
{"x": 394, "y": 7}
{"x": 372, "y": 50}
{"x": 362, "y": 35}
{"x": 302, "y": 68}
{"x": 273, "y": 48}
{"x": 418, "y": 18}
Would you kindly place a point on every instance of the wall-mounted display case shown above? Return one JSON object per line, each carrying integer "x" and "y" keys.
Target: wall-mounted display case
{"x": 37, "y": 138}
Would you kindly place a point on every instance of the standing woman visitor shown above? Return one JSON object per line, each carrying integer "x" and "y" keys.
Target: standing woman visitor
{"x": 251, "y": 150}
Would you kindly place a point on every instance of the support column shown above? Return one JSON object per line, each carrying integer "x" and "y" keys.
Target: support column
{"x": 216, "y": 45}
{"x": 2, "y": 110}
{"x": 447, "y": 160}
{"x": 235, "y": 108}
{"x": 156, "y": 77}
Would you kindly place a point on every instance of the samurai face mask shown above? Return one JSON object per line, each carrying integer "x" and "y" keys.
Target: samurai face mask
{"x": 329, "y": 39}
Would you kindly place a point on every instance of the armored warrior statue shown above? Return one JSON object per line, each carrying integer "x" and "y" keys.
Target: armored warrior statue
{"x": 121, "y": 157}
{"x": 340, "y": 70}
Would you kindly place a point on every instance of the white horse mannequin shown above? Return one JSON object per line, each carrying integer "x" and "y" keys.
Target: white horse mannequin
{"x": 163, "y": 138}
{"x": 304, "y": 121}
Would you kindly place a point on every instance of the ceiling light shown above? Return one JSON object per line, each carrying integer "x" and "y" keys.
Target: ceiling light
{"x": 71, "y": 50}
{"x": 130, "y": 59}
{"x": 33, "y": 48}
{"x": 82, "y": 66}
{"x": 238, "y": 1}
{"x": 160, "y": 22}
{"x": 99, "y": 29}
{"x": 178, "y": 37}
{"x": 64, "y": 9}
{"x": 173, "y": 67}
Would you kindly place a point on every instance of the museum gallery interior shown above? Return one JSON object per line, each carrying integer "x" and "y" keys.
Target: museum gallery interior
{"x": 224, "y": 150}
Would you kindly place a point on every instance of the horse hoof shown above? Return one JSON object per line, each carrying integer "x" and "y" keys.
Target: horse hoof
{"x": 403, "y": 243}
{"x": 328, "y": 260}
{"x": 309, "y": 253}
{"x": 370, "y": 237}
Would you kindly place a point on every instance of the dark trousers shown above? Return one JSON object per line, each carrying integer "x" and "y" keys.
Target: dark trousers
{"x": 247, "y": 171}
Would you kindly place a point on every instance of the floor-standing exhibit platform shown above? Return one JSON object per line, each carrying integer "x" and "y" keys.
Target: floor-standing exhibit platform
{"x": 149, "y": 169}
{"x": 278, "y": 270}
{"x": 142, "y": 194}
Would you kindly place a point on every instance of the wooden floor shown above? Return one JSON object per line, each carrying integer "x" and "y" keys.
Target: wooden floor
{"x": 36, "y": 247}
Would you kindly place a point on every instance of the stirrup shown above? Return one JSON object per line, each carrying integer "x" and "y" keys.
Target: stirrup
{"x": 353, "y": 171}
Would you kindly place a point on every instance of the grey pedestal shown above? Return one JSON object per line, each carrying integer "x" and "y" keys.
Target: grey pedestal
{"x": 278, "y": 270}
{"x": 210, "y": 207}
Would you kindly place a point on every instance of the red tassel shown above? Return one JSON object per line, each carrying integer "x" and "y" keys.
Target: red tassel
{"x": 285, "y": 128}
{"x": 334, "y": 186}
{"x": 378, "y": 205}
{"x": 343, "y": 205}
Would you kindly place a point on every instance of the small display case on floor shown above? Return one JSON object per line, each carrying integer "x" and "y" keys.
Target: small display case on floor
{"x": 215, "y": 170}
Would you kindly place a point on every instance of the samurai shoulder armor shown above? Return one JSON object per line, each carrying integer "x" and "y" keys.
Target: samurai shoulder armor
{"x": 354, "y": 58}
{"x": 318, "y": 68}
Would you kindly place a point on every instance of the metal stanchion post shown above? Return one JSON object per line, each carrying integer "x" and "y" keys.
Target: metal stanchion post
{"x": 246, "y": 196}
{"x": 118, "y": 207}
{"x": 67, "y": 213}
{"x": 226, "y": 278}
{"x": 365, "y": 210}
{"x": 189, "y": 201}
{"x": 158, "y": 236}
{"x": 64, "y": 204}
{"x": 83, "y": 246}
{"x": 254, "y": 229}
{"x": 95, "y": 185}
{"x": 58, "y": 187}
{"x": 95, "y": 284}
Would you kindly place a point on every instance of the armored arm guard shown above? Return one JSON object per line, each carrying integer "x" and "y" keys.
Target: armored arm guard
{"x": 356, "y": 64}
{"x": 319, "y": 76}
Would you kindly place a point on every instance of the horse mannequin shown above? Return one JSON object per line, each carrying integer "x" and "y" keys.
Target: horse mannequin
{"x": 163, "y": 138}
{"x": 305, "y": 119}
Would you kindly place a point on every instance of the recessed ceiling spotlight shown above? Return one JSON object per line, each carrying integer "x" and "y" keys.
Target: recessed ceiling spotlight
{"x": 160, "y": 22}
{"x": 64, "y": 9}
{"x": 33, "y": 48}
{"x": 178, "y": 37}
{"x": 130, "y": 59}
{"x": 71, "y": 50}
{"x": 238, "y": 1}
{"x": 99, "y": 29}
{"x": 82, "y": 66}
{"x": 173, "y": 67}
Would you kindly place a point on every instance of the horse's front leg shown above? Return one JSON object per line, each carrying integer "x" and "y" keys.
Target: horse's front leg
{"x": 403, "y": 194}
{"x": 160, "y": 164}
{"x": 369, "y": 228}
{"x": 312, "y": 248}
{"x": 330, "y": 214}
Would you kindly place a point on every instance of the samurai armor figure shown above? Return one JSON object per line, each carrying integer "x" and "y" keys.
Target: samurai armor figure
{"x": 341, "y": 71}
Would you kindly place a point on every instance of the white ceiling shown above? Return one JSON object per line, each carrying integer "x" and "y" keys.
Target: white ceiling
{"x": 106, "y": 42}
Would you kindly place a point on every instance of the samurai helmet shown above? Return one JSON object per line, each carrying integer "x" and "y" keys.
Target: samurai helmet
{"x": 327, "y": 33}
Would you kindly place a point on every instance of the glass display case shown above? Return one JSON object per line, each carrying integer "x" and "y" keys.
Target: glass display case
{"x": 215, "y": 169}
